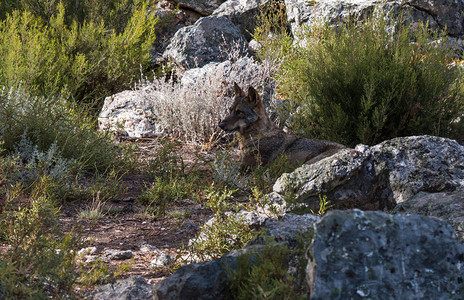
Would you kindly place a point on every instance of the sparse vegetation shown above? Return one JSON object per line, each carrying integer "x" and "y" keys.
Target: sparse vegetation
{"x": 38, "y": 261}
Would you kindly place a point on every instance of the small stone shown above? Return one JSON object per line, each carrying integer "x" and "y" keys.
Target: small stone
{"x": 163, "y": 260}
{"x": 87, "y": 251}
{"x": 117, "y": 254}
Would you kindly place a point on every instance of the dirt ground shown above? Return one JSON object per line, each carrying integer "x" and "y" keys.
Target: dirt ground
{"x": 131, "y": 227}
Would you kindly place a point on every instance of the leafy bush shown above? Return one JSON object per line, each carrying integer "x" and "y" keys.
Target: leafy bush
{"x": 114, "y": 13}
{"x": 89, "y": 60}
{"x": 161, "y": 193}
{"x": 266, "y": 271}
{"x": 38, "y": 260}
{"x": 41, "y": 123}
{"x": 365, "y": 82}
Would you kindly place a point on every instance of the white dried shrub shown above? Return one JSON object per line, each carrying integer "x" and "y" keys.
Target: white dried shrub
{"x": 192, "y": 107}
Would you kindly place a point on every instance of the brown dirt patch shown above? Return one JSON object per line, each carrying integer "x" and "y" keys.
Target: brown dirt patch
{"x": 130, "y": 227}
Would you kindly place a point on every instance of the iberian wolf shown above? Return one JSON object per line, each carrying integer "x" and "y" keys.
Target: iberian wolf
{"x": 261, "y": 141}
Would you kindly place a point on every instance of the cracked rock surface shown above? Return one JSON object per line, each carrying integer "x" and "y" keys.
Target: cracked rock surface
{"x": 378, "y": 177}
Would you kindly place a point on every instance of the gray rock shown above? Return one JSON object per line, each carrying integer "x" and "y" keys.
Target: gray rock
{"x": 378, "y": 177}
{"x": 291, "y": 227}
{"x": 448, "y": 206}
{"x": 206, "y": 41}
{"x": 243, "y": 71}
{"x": 129, "y": 113}
{"x": 134, "y": 288}
{"x": 162, "y": 260}
{"x": 352, "y": 255}
{"x": 242, "y": 13}
{"x": 171, "y": 19}
{"x": 251, "y": 218}
{"x": 440, "y": 14}
{"x": 374, "y": 255}
{"x": 113, "y": 254}
{"x": 145, "y": 247}
{"x": 190, "y": 227}
{"x": 202, "y": 281}
{"x": 204, "y": 7}
{"x": 445, "y": 13}
{"x": 87, "y": 251}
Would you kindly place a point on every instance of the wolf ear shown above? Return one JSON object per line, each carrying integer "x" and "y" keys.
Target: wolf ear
{"x": 253, "y": 96}
{"x": 238, "y": 91}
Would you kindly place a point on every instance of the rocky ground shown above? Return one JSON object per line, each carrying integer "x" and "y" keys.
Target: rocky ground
{"x": 128, "y": 229}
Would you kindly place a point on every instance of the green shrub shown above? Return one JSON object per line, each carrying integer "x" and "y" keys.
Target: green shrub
{"x": 29, "y": 124}
{"x": 365, "y": 82}
{"x": 162, "y": 193}
{"x": 264, "y": 177}
{"x": 264, "y": 272}
{"x": 224, "y": 233}
{"x": 38, "y": 259}
{"x": 88, "y": 60}
{"x": 114, "y": 13}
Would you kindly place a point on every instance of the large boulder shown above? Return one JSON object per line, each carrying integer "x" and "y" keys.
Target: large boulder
{"x": 129, "y": 113}
{"x": 375, "y": 255}
{"x": 202, "y": 281}
{"x": 377, "y": 177}
{"x": 448, "y": 206}
{"x": 208, "y": 40}
{"x": 439, "y": 14}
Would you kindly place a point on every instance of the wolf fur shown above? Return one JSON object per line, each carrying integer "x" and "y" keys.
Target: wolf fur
{"x": 261, "y": 141}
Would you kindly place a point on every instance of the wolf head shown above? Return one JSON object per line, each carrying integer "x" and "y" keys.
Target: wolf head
{"x": 244, "y": 112}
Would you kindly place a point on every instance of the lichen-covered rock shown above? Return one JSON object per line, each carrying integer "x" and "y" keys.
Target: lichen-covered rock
{"x": 448, "y": 206}
{"x": 374, "y": 255}
{"x": 206, "y": 41}
{"x": 439, "y": 14}
{"x": 378, "y": 177}
{"x": 347, "y": 255}
{"x": 134, "y": 288}
{"x": 129, "y": 113}
{"x": 161, "y": 260}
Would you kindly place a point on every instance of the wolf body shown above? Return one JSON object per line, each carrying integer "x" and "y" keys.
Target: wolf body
{"x": 261, "y": 141}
